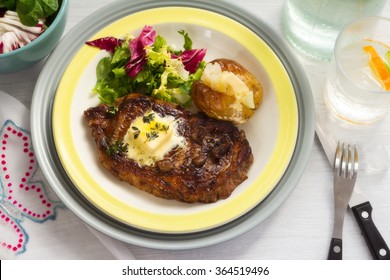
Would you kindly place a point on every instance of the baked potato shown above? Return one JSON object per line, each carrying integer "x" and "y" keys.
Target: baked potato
{"x": 227, "y": 91}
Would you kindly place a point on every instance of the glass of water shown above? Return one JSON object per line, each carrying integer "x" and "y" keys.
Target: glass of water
{"x": 358, "y": 85}
{"x": 312, "y": 26}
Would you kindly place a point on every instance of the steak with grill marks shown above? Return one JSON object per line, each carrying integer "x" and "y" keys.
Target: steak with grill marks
{"x": 215, "y": 159}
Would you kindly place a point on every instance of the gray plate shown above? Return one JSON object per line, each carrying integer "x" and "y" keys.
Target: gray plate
{"x": 41, "y": 127}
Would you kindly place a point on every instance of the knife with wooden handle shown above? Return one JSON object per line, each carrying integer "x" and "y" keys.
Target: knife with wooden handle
{"x": 361, "y": 209}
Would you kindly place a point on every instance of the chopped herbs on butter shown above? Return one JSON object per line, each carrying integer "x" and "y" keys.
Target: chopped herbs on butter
{"x": 152, "y": 128}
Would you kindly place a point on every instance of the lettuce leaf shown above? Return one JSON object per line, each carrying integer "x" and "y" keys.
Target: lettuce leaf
{"x": 8, "y": 4}
{"x": 187, "y": 40}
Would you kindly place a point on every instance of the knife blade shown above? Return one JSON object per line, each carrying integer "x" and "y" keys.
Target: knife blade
{"x": 360, "y": 207}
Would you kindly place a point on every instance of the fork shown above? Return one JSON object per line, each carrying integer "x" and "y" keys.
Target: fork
{"x": 345, "y": 173}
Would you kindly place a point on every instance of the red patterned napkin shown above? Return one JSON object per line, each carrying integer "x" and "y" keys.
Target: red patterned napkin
{"x": 34, "y": 223}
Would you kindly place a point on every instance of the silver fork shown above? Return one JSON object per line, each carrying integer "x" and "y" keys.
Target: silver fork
{"x": 345, "y": 173}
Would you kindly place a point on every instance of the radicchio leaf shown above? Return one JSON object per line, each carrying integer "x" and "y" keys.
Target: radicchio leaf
{"x": 107, "y": 43}
{"x": 137, "y": 50}
{"x": 191, "y": 59}
{"x": 13, "y": 34}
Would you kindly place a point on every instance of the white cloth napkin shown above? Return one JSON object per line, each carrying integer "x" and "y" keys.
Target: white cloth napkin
{"x": 34, "y": 223}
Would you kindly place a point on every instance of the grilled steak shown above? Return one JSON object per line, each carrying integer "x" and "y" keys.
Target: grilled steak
{"x": 213, "y": 161}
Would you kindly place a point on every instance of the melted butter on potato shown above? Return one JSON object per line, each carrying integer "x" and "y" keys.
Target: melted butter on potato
{"x": 229, "y": 83}
{"x": 227, "y": 91}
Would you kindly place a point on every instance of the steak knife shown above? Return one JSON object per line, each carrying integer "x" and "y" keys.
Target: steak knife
{"x": 361, "y": 209}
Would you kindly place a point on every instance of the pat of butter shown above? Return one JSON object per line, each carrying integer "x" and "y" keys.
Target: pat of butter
{"x": 151, "y": 136}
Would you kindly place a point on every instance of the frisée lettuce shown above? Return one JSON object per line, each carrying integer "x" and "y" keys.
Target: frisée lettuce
{"x": 147, "y": 64}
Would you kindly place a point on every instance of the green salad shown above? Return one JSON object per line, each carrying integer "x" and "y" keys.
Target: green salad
{"x": 147, "y": 64}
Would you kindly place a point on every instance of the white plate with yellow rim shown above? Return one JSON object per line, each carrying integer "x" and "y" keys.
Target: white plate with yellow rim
{"x": 273, "y": 131}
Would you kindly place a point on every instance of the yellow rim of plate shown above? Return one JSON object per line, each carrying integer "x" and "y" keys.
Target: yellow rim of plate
{"x": 178, "y": 223}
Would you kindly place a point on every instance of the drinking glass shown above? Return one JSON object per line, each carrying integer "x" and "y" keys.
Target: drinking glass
{"x": 352, "y": 90}
{"x": 312, "y": 26}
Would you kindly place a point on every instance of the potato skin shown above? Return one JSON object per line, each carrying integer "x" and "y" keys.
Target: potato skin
{"x": 221, "y": 106}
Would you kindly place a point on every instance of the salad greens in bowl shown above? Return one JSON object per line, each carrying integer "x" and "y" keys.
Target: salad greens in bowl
{"x": 29, "y": 31}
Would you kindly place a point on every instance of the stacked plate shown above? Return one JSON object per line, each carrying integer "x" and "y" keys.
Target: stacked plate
{"x": 280, "y": 133}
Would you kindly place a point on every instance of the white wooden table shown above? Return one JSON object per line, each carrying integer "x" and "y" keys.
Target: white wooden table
{"x": 301, "y": 228}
